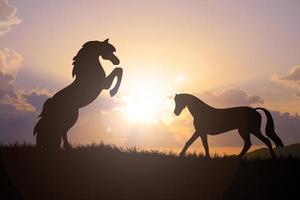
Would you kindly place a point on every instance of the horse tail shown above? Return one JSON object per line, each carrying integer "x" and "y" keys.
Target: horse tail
{"x": 41, "y": 127}
{"x": 270, "y": 130}
{"x": 36, "y": 128}
{"x": 47, "y": 107}
{"x": 45, "y": 111}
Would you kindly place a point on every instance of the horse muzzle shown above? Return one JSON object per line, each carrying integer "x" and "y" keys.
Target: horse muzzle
{"x": 115, "y": 60}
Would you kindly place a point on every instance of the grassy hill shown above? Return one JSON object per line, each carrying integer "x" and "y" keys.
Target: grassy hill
{"x": 292, "y": 150}
{"x": 107, "y": 172}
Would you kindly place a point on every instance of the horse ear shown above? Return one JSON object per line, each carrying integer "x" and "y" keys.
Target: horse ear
{"x": 106, "y": 40}
{"x": 176, "y": 94}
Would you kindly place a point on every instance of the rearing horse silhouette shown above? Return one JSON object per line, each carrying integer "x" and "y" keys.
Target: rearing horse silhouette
{"x": 213, "y": 121}
{"x": 60, "y": 112}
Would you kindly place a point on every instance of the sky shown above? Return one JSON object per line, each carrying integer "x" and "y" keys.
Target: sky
{"x": 228, "y": 53}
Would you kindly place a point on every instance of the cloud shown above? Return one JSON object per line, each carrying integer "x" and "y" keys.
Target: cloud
{"x": 8, "y": 17}
{"x": 291, "y": 79}
{"x": 6, "y": 85}
{"x": 28, "y": 101}
{"x": 292, "y": 75}
{"x": 10, "y": 61}
{"x": 230, "y": 97}
{"x": 18, "y": 108}
{"x": 36, "y": 98}
{"x": 18, "y": 115}
{"x": 106, "y": 103}
{"x": 287, "y": 126}
{"x": 16, "y": 125}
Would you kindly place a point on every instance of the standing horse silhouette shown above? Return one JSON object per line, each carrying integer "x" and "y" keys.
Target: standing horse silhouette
{"x": 60, "y": 112}
{"x": 213, "y": 121}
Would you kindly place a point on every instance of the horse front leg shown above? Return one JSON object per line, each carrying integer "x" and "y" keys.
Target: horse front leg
{"x": 205, "y": 144}
{"x": 117, "y": 72}
{"x": 189, "y": 143}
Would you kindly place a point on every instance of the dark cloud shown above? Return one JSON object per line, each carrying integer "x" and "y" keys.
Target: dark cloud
{"x": 292, "y": 75}
{"x": 36, "y": 98}
{"x": 291, "y": 79}
{"x": 16, "y": 125}
{"x": 287, "y": 126}
{"x": 230, "y": 97}
{"x": 18, "y": 115}
{"x": 8, "y": 17}
{"x": 6, "y": 85}
{"x": 18, "y": 108}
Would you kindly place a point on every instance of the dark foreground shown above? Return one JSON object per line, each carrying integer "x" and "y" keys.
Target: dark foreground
{"x": 104, "y": 172}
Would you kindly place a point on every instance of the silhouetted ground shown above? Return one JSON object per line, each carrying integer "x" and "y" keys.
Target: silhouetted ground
{"x": 292, "y": 150}
{"x": 106, "y": 172}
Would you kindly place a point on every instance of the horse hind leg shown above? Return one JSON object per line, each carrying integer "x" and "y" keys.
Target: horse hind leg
{"x": 247, "y": 142}
{"x": 53, "y": 142}
{"x": 273, "y": 136}
{"x": 265, "y": 140}
{"x": 66, "y": 143}
{"x": 40, "y": 141}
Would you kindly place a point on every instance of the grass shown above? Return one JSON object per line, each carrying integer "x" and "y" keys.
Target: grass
{"x": 99, "y": 171}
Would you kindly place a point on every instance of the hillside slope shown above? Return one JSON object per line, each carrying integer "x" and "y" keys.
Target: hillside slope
{"x": 292, "y": 150}
{"x": 106, "y": 172}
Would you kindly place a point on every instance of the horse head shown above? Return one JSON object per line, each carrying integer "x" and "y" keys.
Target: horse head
{"x": 94, "y": 49}
{"x": 179, "y": 104}
{"x": 106, "y": 51}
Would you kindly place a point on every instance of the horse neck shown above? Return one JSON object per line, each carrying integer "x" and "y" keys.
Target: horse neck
{"x": 196, "y": 106}
{"x": 89, "y": 66}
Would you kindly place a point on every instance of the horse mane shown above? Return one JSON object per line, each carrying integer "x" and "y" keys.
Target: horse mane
{"x": 83, "y": 56}
{"x": 194, "y": 99}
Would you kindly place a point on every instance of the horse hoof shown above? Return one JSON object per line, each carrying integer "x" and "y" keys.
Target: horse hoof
{"x": 112, "y": 92}
{"x": 67, "y": 147}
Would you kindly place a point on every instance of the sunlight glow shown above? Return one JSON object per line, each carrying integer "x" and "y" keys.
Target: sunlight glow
{"x": 180, "y": 78}
{"x": 146, "y": 103}
{"x": 142, "y": 109}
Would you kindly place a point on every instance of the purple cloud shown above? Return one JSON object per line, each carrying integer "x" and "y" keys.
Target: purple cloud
{"x": 8, "y": 17}
{"x": 230, "y": 97}
{"x": 291, "y": 79}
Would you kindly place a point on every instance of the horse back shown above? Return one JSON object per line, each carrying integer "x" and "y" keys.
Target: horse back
{"x": 216, "y": 121}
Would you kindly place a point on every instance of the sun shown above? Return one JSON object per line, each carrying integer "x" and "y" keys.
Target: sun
{"x": 142, "y": 109}
{"x": 145, "y": 103}
{"x": 150, "y": 98}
